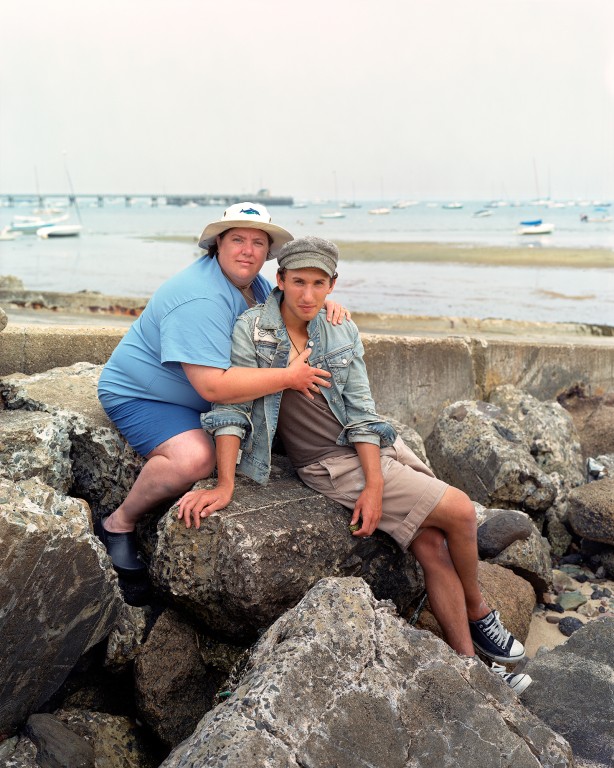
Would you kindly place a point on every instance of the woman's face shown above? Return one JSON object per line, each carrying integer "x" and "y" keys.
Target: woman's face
{"x": 242, "y": 252}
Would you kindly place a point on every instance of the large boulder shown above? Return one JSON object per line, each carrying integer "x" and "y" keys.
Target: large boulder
{"x": 3, "y": 319}
{"x": 103, "y": 464}
{"x": 342, "y": 680}
{"x": 480, "y": 449}
{"x": 35, "y": 445}
{"x": 591, "y": 511}
{"x": 178, "y": 673}
{"x": 526, "y": 551}
{"x": 252, "y": 561}
{"x": 549, "y": 430}
{"x": 573, "y": 691}
{"x": 58, "y": 592}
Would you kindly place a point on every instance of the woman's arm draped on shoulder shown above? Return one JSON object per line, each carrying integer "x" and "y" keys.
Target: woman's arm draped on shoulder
{"x": 195, "y": 505}
{"x": 244, "y": 381}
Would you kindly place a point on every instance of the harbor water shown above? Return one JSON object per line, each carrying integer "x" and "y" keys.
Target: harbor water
{"x": 130, "y": 250}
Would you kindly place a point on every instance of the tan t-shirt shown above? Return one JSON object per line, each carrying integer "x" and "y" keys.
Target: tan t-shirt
{"x": 309, "y": 429}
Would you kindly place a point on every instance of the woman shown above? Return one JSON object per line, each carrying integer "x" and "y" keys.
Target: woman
{"x": 174, "y": 362}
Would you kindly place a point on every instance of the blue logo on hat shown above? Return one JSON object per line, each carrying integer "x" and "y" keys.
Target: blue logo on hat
{"x": 250, "y": 210}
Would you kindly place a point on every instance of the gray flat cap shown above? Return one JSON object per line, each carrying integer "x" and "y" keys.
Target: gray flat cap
{"x": 309, "y": 252}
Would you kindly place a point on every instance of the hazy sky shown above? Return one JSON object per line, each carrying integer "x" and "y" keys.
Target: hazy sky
{"x": 387, "y": 99}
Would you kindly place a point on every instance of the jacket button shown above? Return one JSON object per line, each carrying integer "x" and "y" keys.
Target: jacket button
{"x": 310, "y": 343}
{"x": 344, "y": 361}
{"x": 318, "y": 365}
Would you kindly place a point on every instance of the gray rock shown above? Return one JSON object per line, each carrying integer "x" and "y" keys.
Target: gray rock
{"x": 126, "y": 637}
{"x": 117, "y": 741}
{"x": 57, "y": 745}
{"x": 573, "y": 691}
{"x": 11, "y": 283}
{"x": 591, "y": 511}
{"x": 549, "y": 430}
{"x": 35, "y": 445}
{"x": 18, "y": 753}
{"x": 3, "y": 319}
{"x": 530, "y": 559}
{"x": 174, "y": 684}
{"x": 501, "y": 530}
{"x": 58, "y": 594}
{"x": 104, "y": 466}
{"x": 249, "y": 563}
{"x": 342, "y": 680}
{"x": 477, "y": 447}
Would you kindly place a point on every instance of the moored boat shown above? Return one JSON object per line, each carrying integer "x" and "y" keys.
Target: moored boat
{"x": 332, "y": 215}
{"x": 29, "y": 225}
{"x": 535, "y": 227}
{"x": 60, "y": 230}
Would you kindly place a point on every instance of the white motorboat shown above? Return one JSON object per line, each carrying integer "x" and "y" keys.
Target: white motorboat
{"x": 452, "y": 206}
{"x": 332, "y": 215}
{"x": 535, "y": 227}
{"x": 379, "y": 211}
{"x": 29, "y": 225}
{"x": 482, "y": 213}
{"x": 404, "y": 203}
{"x": 60, "y": 230}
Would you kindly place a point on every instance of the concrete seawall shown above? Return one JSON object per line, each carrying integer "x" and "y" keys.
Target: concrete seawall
{"x": 412, "y": 377}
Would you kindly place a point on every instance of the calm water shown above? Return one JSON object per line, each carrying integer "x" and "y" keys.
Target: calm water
{"x": 115, "y": 254}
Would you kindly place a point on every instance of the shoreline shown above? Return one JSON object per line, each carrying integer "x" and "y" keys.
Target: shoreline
{"x": 532, "y": 254}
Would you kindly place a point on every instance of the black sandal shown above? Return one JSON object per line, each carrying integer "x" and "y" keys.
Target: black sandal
{"x": 121, "y": 548}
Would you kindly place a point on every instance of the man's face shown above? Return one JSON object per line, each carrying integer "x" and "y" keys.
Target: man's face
{"x": 305, "y": 291}
{"x": 242, "y": 252}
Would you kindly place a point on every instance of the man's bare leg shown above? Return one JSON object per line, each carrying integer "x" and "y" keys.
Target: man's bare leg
{"x": 171, "y": 469}
{"x": 444, "y": 589}
{"x": 455, "y": 516}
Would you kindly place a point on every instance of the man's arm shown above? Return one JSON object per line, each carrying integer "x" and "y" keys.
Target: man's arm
{"x": 368, "y": 507}
{"x": 197, "y": 504}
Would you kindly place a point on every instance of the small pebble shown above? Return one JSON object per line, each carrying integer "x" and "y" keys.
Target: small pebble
{"x": 568, "y": 625}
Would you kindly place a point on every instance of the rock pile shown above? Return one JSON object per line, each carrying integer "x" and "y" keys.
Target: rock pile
{"x": 271, "y": 636}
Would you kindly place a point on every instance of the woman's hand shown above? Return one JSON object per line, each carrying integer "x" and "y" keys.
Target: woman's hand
{"x": 306, "y": 379}
{"x": 195, "y": 505}
{"x": 336, "y": 313}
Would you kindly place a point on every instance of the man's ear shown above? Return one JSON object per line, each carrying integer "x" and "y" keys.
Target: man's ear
{"x": 280, "y": 282}
{"x": 332, "y": 285}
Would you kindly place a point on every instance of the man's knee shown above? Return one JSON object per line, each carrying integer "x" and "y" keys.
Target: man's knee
{"x": 431, "y": 549}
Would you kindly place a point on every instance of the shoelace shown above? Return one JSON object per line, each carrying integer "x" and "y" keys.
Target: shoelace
{"x": 497, "y": 632}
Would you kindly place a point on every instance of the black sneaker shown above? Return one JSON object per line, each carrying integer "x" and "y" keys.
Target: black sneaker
{"x": 517, "y": 682}
{"x": 493, "y": 640}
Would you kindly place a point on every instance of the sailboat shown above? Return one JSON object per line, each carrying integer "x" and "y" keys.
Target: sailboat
{"x": 59, "y": 228}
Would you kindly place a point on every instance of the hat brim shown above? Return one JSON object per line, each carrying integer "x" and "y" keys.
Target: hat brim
{"x": 279, "y": 235}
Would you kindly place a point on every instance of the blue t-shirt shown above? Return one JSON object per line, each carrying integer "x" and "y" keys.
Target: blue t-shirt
{"x": 189, "y": 319}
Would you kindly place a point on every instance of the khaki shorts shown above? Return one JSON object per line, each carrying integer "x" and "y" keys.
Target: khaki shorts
{"x": 411, "y": 490}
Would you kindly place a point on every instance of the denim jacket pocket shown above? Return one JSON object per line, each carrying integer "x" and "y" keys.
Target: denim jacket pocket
{"x": 338, "y": 363}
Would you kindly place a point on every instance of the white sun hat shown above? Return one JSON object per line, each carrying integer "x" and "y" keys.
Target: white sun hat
{"x": 250, "y": 216}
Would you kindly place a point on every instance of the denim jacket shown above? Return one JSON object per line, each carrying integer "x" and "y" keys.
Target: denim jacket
{"x": 260, "y": 340}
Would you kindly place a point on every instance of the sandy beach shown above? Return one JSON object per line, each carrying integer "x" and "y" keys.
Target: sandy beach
{"x": 536, "y": 255}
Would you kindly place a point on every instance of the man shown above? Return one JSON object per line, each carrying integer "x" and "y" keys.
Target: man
{"x": 340, "y": 446}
